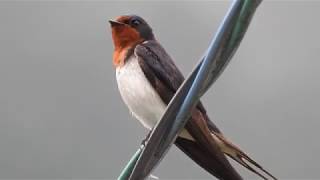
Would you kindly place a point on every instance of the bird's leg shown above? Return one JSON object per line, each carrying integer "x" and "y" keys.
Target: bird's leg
{"x": 145, "y": 140}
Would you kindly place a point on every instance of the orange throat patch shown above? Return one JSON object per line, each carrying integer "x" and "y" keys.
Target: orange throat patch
{"x": 119, "y": 56}
{"x": 124, "y": 38}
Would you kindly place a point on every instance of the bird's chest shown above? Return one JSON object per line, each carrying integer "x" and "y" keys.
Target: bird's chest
{"x": 138, "y": 94}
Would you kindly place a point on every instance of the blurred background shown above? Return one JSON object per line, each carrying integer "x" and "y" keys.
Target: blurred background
{"x": 61, "y": 115}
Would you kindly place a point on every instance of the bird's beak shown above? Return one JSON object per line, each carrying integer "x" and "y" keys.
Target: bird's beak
{"x": 116, "y": 23}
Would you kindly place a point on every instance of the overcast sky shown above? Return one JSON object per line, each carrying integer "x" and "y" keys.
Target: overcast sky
{"x": 61, "y": 115}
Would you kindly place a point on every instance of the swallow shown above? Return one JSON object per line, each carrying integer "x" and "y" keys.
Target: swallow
{"x": 147, "y": 79}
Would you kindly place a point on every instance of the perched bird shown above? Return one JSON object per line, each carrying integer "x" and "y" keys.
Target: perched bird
{"x": 147, "y": 79}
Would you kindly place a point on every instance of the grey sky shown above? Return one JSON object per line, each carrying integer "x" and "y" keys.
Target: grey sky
{"x": 61, "y": 115}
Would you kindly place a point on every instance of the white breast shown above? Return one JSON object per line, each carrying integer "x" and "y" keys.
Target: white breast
{"x": 138, "y": 94}
{"x": 140, "y": 97}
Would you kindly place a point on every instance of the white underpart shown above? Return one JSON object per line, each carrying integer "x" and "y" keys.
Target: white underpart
{"x": 140, "y": 97}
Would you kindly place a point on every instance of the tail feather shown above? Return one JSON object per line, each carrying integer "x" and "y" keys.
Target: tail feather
{"x": 209, "y": 149}
{"x": 204, "y": 149}
{"x": 207, "y": 160}
{"x": 239, "y": 156}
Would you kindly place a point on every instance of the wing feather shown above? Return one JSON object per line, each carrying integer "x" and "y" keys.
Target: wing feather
{"x": 210, "y": 146}
{"x": 166, "y": 78}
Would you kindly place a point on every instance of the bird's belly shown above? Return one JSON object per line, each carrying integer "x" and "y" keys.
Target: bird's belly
{"x": 140, "y": 97}
{"x": 138, "y": 94}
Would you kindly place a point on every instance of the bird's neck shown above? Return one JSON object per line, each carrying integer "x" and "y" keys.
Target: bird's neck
{"x": 121, "y": 53}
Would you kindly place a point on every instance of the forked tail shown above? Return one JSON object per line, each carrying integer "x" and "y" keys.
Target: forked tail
{"x": 236, "y": 154}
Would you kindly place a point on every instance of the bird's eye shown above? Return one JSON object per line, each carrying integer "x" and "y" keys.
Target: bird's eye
{"x": 135, "y": 22}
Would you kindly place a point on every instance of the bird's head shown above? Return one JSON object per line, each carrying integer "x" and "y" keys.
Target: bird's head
{"x": 129, "y": 30}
